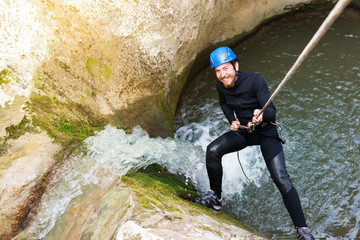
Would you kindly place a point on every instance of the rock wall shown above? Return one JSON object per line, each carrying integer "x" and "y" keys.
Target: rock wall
{"x": 125, "y": 60}
{"x": 126, "y": 210}
{"x": 23, "y": 174}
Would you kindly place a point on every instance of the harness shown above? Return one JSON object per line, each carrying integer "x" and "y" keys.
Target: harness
{"x": 333, "y": 15}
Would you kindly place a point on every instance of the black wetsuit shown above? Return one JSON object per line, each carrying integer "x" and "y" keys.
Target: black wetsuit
{"x": 249, "y": 93}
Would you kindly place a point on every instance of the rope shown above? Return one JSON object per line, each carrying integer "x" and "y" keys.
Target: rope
{"x": 330, "y": 19}
{"x": 333, "y": 15}
{"x": 243, "y": 168}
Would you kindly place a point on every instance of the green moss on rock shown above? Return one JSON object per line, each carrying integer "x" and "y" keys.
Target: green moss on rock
{"x": 97, "y": 69}
{"x": 158, "y": 188}
{"x": 6, "y": 76}
{"x": 91, "y": 64}
{"x": 67, "y": 123}
{"x": 15, "y": 131}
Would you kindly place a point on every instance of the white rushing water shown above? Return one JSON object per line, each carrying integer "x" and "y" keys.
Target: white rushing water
{"x": 319, "y": 109}
{"x": 113, "y": 151}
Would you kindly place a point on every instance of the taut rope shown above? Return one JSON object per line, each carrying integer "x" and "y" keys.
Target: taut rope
{"x": 330, "y": 19}
{"x": 333, "y": 15}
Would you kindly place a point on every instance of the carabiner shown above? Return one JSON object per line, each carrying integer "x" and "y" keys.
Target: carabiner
{"x": 250, "y": 127}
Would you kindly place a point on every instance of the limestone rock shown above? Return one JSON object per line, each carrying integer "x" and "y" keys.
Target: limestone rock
{"x": 127, "y": 60}
{"x": 22, "y": 176}
{"x": 113, "y": 212}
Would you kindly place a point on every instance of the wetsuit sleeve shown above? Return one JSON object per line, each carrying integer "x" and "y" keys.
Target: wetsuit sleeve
{"x": 228, "y": 112}
{"x": 263, "y": 95}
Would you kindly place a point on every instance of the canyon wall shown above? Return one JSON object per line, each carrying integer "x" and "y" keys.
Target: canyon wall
{"x": 126, "y": 61}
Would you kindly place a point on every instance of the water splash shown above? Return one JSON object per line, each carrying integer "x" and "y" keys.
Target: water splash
{"x": 319, "y": 108}
{"x": 112, "y": 151}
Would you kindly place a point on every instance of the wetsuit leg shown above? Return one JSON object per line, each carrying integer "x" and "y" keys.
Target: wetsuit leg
{"x": 275, "y": 161}
{"x": 228, "y": 142}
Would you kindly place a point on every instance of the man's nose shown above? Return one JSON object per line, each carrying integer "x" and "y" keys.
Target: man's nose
{"x": 223, "y": 74}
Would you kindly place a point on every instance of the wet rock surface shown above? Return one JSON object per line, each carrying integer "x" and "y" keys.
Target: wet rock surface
{"x": 23, "y": 173}
{"x": 126, "y": 61}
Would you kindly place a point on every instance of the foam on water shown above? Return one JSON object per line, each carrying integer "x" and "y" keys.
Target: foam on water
{"x": 113, "y": 151}
{"x": 319, "y": 108}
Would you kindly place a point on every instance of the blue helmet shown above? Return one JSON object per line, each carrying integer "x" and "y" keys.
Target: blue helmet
{"x": 221, "y": 55}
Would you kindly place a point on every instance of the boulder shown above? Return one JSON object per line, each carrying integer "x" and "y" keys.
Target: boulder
{"x": 125, "y": 60}
{"x": 24, "y": 170}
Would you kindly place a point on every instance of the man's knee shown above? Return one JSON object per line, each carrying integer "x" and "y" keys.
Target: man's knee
{"x": 212, "y": 155}
{"x": 279, "y": 174}
{"x": 211, "y": 149}
{"x": 283, "y": 183}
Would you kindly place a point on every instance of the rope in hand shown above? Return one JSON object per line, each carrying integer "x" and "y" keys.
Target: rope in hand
{"x": 330, "y": 19}
{"x": 333, "y": 15}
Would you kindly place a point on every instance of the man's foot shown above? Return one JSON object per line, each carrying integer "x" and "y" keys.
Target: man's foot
{"x": 303, "y": 233}
{"x": 210, "y": 200}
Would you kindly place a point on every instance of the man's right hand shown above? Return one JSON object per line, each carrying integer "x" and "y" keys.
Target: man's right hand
{"x": 234, "y": 125}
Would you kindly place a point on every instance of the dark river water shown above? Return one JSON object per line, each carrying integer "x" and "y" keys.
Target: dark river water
{"x": 319, "y": 110}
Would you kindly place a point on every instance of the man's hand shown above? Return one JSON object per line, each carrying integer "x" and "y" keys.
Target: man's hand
{"x": 256, "y": 118}
{"x": 234, "y": 125}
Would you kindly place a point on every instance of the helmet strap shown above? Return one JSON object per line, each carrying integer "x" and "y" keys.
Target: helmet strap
{"x": 233, "y": 63}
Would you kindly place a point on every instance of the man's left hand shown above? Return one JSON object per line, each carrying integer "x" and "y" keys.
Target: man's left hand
{"x": 256, "y": 118}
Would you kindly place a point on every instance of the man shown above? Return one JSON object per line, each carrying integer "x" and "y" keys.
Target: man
{"x": 242, "y": 95}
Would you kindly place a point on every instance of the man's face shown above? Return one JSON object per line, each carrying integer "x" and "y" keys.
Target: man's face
{"x": 226, "y": 74}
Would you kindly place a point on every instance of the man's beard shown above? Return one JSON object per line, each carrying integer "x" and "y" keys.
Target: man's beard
{"x": 230, "y": 85}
